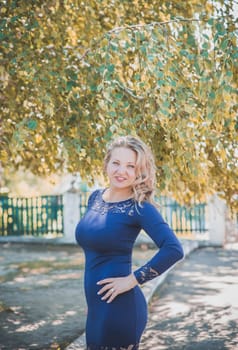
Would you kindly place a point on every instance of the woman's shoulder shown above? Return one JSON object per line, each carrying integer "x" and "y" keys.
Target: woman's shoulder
{"x": 96, "y": 191}
{"x": 147, "y": 206}
{"x": 93, "y": 195}
{"x": 148, "y": 212}
{"x": 147, "y": 209}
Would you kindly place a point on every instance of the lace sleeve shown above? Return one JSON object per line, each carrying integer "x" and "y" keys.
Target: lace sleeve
{"x": 145, "y": 273}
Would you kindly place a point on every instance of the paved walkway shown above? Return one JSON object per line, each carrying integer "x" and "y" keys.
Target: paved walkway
{"x": 42, "y": 305}
{"x": 197, "y": 307}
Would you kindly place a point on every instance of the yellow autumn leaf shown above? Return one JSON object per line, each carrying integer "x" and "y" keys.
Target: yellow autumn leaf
{"x": 38, "y": 138}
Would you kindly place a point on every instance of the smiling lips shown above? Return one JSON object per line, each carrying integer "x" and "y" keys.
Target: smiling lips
{"x": 120, "y": 178}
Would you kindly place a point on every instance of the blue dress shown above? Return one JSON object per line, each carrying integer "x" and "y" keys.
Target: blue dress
{"x": 107, "y": 233}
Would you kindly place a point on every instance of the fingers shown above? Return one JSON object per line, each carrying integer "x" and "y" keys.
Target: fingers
{"x": 109, "y": 296}
{"x": 112, "y": 297}
{"x": 112, "y": 287}
{"x": 106, "y": 280}
{"x": 108, "y": 289}
{"x": 105, "y": 288}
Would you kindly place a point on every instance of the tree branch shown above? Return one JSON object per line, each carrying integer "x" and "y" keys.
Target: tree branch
{"x": 152, "y": 24}
{"x": 128, "y": 90}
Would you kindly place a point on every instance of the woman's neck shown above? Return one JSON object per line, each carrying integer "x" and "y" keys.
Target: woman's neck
{"x": 114, "y": 195}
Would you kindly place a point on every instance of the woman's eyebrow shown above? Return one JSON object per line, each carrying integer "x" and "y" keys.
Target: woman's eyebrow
{"x": 117, "y": 160}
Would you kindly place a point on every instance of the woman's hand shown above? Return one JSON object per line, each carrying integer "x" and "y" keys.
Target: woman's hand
{"x": 115, "y": 286}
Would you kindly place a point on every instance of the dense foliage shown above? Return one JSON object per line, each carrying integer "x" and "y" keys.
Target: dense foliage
{"x": 74, "y": 74}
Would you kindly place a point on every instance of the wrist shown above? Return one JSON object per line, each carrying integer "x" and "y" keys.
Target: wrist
{"x": 133, "y": 279}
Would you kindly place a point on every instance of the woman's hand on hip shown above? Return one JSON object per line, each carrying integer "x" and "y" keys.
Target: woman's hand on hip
{"x": 115, "y": 286}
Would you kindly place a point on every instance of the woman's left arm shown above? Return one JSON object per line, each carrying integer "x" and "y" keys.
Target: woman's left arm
{"x": 170, "y": 249}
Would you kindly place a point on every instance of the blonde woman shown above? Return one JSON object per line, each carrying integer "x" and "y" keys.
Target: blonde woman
{"x": 117, "y": 310}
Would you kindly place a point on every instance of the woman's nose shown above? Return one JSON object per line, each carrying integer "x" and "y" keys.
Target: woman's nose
{"x": 121, "y": 169}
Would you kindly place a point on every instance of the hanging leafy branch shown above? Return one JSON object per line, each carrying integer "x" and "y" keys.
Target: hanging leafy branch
{"x": 73, "y": 76}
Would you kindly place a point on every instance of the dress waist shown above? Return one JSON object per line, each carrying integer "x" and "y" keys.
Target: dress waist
{"x": 103, "y": 261}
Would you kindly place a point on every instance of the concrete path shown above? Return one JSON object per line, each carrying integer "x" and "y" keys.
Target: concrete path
{"x": 197, "y": 306}
{"x": 41, "y": 289}
{"x": 42, "y": 302}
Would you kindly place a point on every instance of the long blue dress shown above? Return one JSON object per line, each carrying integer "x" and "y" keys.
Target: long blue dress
{"x": 107, "y": 233}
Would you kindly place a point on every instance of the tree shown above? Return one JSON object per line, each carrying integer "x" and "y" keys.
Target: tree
{"x": 76, "y": 74}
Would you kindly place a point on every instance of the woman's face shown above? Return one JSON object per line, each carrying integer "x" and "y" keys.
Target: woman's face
{"x": 121, "y": 168}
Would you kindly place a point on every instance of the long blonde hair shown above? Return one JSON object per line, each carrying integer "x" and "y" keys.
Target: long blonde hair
{"x": 144, "y": 185}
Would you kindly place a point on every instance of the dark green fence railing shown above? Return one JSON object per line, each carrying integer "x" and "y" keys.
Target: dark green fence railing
{"x": 43, "y": 216}
{"x": 37, "y": 216}
{"x": 185, "y": 221}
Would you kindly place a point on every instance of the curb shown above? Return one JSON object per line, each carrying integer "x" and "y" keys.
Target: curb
{"x": 148, "y": 289}
{"x": 36, "y": 240}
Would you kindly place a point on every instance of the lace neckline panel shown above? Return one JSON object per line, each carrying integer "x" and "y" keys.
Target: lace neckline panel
{"x": 124, "y": 207}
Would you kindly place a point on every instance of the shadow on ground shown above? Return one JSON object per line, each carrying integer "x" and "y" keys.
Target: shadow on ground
{"x": 41, "y": 304}
{"x": 197, "y": 307}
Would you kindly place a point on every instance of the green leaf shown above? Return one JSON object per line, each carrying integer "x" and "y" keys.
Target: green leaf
{"x": 143, "y": 49}
{"x": 220, "y": 28}
{"x": 210, "y": 115}
{"x": 32, "y": 124}
{"x": 210, "y": 21}
{"x": 206, "y": 36}
{"x": 15, "y": 18}
{"x": 224, "y": 44}
{"x": 161, "y": 82}
{"x": 164, "y": 111}
{"x": 160, "y": 64}
{"x": 173, "y": 69}
{"x": 172, "y": 82}
{"x": 212, "y": 95}
{"x": 93, "y": 88}
{"x": 166, "y": 104}
{"x": 191, "y": 40}
{"x": 112, "y": 114}
{"x": 228, "y": 88}
{"x": 183, "y": 52}
{"x": 70, "y": 84}
{"x": 111, "y": 68}
{"x": 3, "y": 23}
{"x": 204, "y": 54}
{"x": 229, "y": 73}
{"x": 160, "y": 74}
{"x": 119, "y": 95}
{"x": 197, "y": 68}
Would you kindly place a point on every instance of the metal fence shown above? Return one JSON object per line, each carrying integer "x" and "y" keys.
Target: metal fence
{"x": 41, "y": 216}
{"x": 185, "y": 221}
{"x": 37, "y": 216}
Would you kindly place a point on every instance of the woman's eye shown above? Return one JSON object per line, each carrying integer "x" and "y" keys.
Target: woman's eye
{"x": 131, "y": 166}
{"x": 115, "y": 163}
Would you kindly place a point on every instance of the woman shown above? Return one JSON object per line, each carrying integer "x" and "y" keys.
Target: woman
{"x": 117, "y": 310}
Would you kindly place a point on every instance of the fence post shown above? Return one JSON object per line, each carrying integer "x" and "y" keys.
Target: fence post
{"x": 217, "y": 220}
{"x": 71, "y": 201}
{"x": 231, "y": 228}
